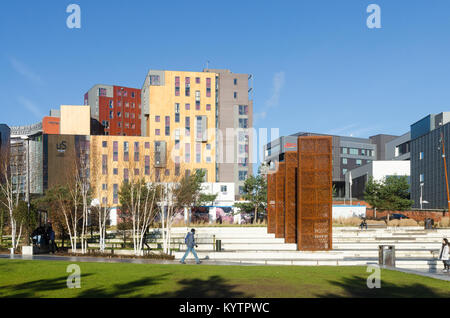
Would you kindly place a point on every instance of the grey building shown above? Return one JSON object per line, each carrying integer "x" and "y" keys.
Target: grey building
{"x": 398, "y": 148}
{"x": 234, "y": 119}
{"x": 348, "y": 153}
{"x": 26, "y": 163}
{"x": 380, "y": 141}
{"x": 427, "y": 162}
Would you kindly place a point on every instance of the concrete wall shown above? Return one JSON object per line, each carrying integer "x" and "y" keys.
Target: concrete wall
{"x": 75, "y": 120}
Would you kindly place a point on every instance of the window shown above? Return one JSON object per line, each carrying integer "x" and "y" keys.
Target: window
{"x": 208, "y": 159}
{"x": 167, "y": 128}
{"x": 421, "y": 155}
{"x": 344, "y": 171}
{"x": 119, "y": 114}
{"x": 136, "y": 171}
{"x": 177, "y": 86}
{"x": 147, "y": 165}
{"x": 115, "y": 171}
{"x": 198, "y": 152}
{"x": 243, "y": 110}
{"x": 235, "y": 81}
{"x": 421, "y": 177}
{"x": 187, "y": 83}
{"x": 132, "y": 94}
{"x": 125, "y": 175}
{"x": 187, "y": 106}
{"x": 197, "y": 80}
{"x": 104, "y": 144}
{"x": 358, "y": 162}
{"x": 136, "y": 151}
{"x": 104, "y": 164}
{"x": 235, "y": 95}
{"x": 197, "y": 100}
{"x": 187, "y": 152}
{"x": 126, "y": 151}
{"x": 344, "y": 161}
{"x": 208, "y": 87}
{"x": 345, "y": 150}
{"x": 102, "y": 92}
{"x": 363, "y": 152}
{"x": 167, "y": 172}
{"x": 223, "y": 189}
{"x": 177, "y": 112}
{"x": 187, "y": 172}
{"x": 147, "y": 145}
{"x": 241, "y": 190}
{"x": 242, "y": 175}
{"x": 188, "y": 126}
{"x": 111, "y": 104}
{"x": 111, "y": 114}
{"x": 243, "y": 123}
{"x": 157, "y": 132}
{"x": 208, "y": 146}
{"x": 157, "y": 119}
{"x": 155, "y": 80}
{"x": 105, "y": 124}
{"x": 354, "y": 151}
{"x": 115, "y": 151}
{"x": 208, "y": 107}
{"x": 115, "y": 193}
{"x": 104, "y": 186}
{"x": 177, "y": 169}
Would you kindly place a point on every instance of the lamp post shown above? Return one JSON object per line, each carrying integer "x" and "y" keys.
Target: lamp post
{"x": 445, "y": 167}
{"x": 28, "y": 182}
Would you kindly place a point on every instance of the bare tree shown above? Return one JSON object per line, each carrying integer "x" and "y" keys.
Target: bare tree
{"x": 10, "y": 189}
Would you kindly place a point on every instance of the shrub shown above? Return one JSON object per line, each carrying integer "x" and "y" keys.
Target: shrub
{"x": 444, "y": 222}
{"x": 394, "y": 223}
{"x": 351, "y": 221}
{"x": 408, "y": 222}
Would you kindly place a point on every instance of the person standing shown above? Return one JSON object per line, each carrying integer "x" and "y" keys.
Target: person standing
{"x": 444, "y": 255}
{"x": 190, "y": 243}
{"x": 53, "y": 246}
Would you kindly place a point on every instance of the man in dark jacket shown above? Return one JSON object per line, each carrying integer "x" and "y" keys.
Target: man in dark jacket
{"x": 190, "y": 243}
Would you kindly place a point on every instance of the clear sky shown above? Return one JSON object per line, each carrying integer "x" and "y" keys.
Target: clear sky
{"x": 316, "y": 65}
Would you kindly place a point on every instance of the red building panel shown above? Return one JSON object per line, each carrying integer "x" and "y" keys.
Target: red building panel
{"x": 50, "y": 125}
{"x": 271, "y": 198}
{"x": 290, "y": 202}
{"x": 279, "y": 200}
{"x": 314, "y": 193}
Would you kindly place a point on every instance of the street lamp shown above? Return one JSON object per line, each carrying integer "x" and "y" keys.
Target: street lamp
{"x": 421, "y": 199}
{"x": 28, "y": 181}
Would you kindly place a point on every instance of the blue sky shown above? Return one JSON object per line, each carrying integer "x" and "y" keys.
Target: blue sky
{"x": 316, "y": 65}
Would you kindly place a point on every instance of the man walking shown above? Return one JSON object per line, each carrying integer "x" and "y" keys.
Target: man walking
{"x": 190, "y": 243}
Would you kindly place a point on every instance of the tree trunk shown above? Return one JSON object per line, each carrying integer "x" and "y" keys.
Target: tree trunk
{"x": 2, "y": 222}
{"x": 256, "y": 215}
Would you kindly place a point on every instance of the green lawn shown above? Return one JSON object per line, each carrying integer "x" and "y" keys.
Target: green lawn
{"x": 20, "y": 278}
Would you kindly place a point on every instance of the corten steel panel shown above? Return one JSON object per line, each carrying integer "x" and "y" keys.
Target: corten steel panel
{"x": 314, "y": 183}
{"x": 279, "y": 200}
{"x": 290, "y": 208}
{"x": 271, "y": 188}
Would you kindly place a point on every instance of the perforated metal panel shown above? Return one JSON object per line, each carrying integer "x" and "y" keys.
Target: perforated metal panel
{"x": 290, "y": 208}
{"x": 271, "y": 198}
{"x": 314, "y": 194}
{"x": 279, "y": 201}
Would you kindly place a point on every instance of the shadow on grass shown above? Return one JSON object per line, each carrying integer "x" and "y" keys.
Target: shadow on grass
{"x": 356, "y": 287}
{"x": 32, "y": 288}
{"x": 123, "y": 290}
{"x": 212, "y": 287}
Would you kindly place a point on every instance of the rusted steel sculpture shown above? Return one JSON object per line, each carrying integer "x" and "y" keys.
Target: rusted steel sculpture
{"x": 290, "y": 201}
{"x": 314, "y": 194}
{"x": 279, "y": 200}
{"x": 271, "y": 191}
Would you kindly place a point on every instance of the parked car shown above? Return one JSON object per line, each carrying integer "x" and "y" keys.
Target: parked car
{"x": 394, "y": 216}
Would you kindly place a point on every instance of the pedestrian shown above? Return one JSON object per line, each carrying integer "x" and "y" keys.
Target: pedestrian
{"x": 189, "y": 240}
{"x": 363, "y": 224}
{"x": 144, "y": 240}
{"x": 52, "y": 244}
{"x": 444, "y": 255}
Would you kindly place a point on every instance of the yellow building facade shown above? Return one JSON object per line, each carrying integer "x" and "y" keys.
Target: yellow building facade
{"x": 179, "y": 112}
{"x": 115, "y": 159}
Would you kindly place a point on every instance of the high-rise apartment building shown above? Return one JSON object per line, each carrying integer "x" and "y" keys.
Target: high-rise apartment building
{"x": 179, "y": 116}
{"x": 234, "y": 120}
{"x": 117, "y": 108}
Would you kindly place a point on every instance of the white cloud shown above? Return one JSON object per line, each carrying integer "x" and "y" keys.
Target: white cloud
{"x": 278, "y": 83}
{"x": 25, "y": 71}
{"x": 29, "y": 105}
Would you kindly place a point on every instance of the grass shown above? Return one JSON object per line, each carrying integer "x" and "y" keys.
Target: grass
{"x": 21, "y": 278}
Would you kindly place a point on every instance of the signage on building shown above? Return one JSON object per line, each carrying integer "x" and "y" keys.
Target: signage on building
{"x": 61, "y": 148}
{"x": 290, "y": 145}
